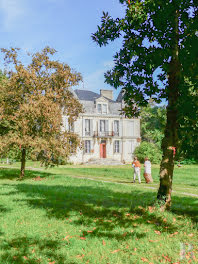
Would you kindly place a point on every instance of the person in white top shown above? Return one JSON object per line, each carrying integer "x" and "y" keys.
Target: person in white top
{"x": 147, "y": 170}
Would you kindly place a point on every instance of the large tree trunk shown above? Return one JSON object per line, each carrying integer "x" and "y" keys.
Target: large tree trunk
{"x": 23, "y": 156}
{"x": 170, "y": 141}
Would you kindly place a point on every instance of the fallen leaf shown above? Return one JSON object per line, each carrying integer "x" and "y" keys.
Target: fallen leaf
{"x": 173, "y": 234}
{"x": 127, "y": 214}
{"x": 174, "y": 220}
{"x": 66, "y": 238}
{"x": 150, "y": 240}
{"x": 33, "y": 250}
{"x": 157, "y": 232}
{"x": 144, "y": 259}
{"x": 164, "y": 220}
{"x": 53, "y": 262}
{"x": 89, "y": 231}
{"x": 25, "y": 257}
{"x": 190, "y": 235}
{"x": 167, "y": 258}
{"x": 80, "y": 256}
{"x": 83, "y": 238}
{"x": 103, "y": 242}
{"x": 150, "y": 209}
{"x": 135, "y": 249}
{"x": 124, "y": 234}
{"x": 115, "y": 251}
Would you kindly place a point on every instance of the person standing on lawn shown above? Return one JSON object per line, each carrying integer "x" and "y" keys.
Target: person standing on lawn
{"x": 147, "y": 170}
{"x": 136, "y": 165}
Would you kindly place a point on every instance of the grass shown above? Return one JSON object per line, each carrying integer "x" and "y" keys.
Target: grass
{"x": 56, "y": 216}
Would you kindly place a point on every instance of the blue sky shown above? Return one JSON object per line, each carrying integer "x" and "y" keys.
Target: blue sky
{"x": 66, "y": 26}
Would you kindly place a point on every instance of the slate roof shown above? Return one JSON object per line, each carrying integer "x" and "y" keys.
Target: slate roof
{"x": 120, "y": 96}
{"x": 88, "y": 95}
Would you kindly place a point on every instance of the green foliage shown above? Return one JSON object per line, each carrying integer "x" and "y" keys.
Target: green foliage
{"x": 33, "y": 100}
{"x": 149, "y": 150}
{"x": 153, "y": 121}
{"x": 188, "y": 135}
{"x": 149, "y": 33}
{"x": 188, "y": 161}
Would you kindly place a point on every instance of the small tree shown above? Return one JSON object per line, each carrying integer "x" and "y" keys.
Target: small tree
{"x": 33, "y": 99}
{"x": 158, "y": 54}
{"x": 150, "y": 150}
{"x": 153, "y": 121}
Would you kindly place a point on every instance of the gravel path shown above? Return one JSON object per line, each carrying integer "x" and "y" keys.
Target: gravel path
{"x": 91, "y": 179}
{"x": 133, "y": 185}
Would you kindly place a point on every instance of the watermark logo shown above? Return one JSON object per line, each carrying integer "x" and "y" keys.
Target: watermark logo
{"x": 186, "y": 251}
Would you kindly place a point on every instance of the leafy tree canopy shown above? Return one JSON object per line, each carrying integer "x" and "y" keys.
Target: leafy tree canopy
{"x": 147, "y": 33}
{"x": 33, "y": 99}
{"x": 159, "y": 60}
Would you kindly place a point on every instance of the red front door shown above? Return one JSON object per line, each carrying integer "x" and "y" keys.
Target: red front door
{"x": 103, "y": 150}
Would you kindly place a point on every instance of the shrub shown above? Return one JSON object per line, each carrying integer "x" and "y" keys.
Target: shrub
{"x": 188, "y": 161}
{"x": 150, "y": 150}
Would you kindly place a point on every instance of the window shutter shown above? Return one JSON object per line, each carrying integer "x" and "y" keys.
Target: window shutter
{"x": 120, "y": 127}
{"x": 91, "y": 127}
{"x": 84, "y": 134}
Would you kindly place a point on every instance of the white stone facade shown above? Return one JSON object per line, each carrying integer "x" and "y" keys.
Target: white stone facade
{"x": 104, "y": 132}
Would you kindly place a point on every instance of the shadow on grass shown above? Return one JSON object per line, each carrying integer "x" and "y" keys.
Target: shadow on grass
{"x": 25, "y": 250}
{"x": 96, "y": 206}
{"x": 13, "y": 174}
{"x": 3, "y": 210}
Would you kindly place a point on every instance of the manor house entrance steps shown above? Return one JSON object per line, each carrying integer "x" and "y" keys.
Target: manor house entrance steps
{"x": 101, "y": 161}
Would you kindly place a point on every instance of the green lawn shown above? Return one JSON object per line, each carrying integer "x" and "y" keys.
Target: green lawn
{"x": 62, "y": 217}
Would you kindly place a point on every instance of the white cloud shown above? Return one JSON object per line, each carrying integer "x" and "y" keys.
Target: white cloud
{"x": 12, "y": 11}
{"x": 96, "y": 80}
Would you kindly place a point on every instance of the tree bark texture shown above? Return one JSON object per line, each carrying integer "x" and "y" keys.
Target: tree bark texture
{"x": 23, "y": 157}
{"x": 170, "y": 141}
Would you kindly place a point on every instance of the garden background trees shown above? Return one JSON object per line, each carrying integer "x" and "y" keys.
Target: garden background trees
{"x": 158, "y": 60}
{"x": 33, "y": 98}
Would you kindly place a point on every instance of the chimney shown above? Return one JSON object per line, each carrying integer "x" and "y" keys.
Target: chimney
{"x": 107, "y": 93}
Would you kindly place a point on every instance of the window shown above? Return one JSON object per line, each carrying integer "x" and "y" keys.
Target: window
{"x": 72, "y": 147}
{"x": 116, "y": 128}
{"x": 99, "y": 108}
{"x": 104, "y": 125}
{"x": 87, "y": 127}
{"x": 71, "y": 127}
{"x": 87, "y": 146}
{"x": 117, "y": 146}
{"x": 102, "y": 108}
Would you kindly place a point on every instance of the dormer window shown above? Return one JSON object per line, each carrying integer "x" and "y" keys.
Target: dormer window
{"x": 99, "y": 108}
{"x": 102, "y": 108}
